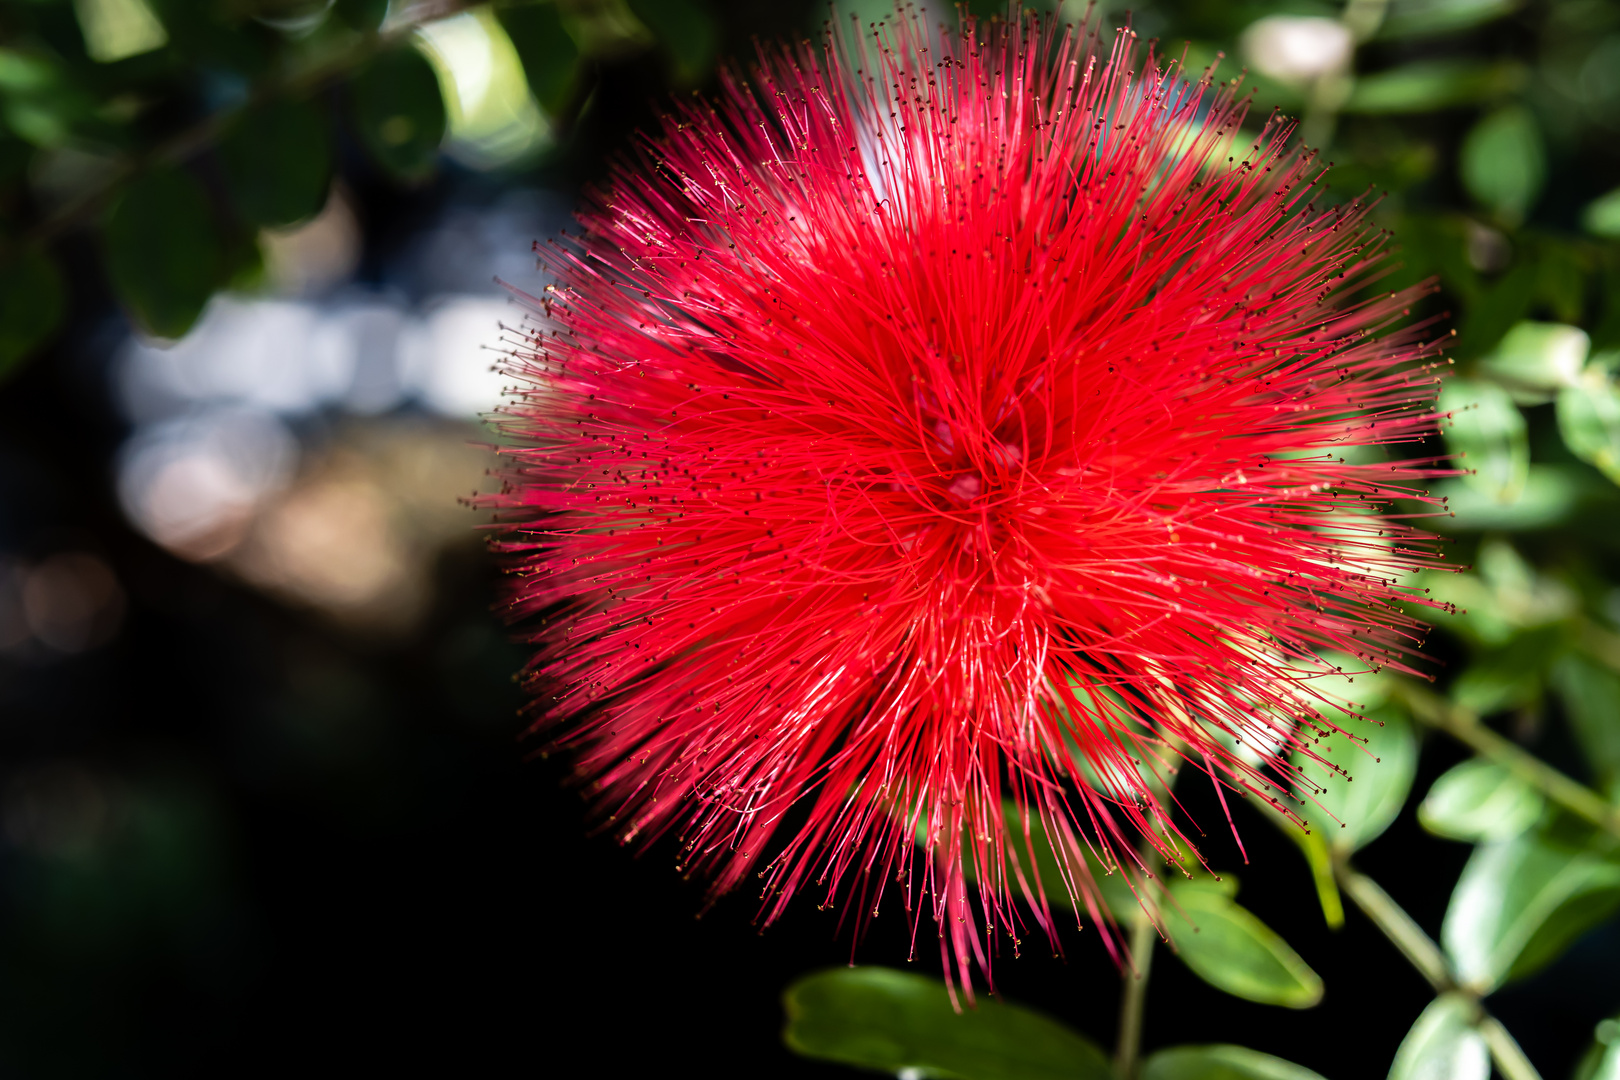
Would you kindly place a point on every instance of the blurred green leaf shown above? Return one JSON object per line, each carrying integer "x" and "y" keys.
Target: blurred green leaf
{"x": 1480, "y": 800}
{"x": 32, "y": 302}
{"x": 1561, "y": 272}
{"x": 118, "y": 29}
{"x": 1602, "y": 1059}
{"x": 1591, "y": 696}
{"x": 1551, "y": 495}
{"x": 1538, "y": 357}
{"x": 278, "y": 163}
{"x": 1427, "y": 18}
{"x": 164, "y": 255}
{"x": 685, "y": 30}
{"x": 1427, "y": 85}
{"x": 1504, "y": 163}
{"x": 1520, "y": 903}
{"x": 1443, "y": 1044}
{"x": 1351, "y": 812}
{"x": 1493, "y": 309}
{"x": 1220, "y": 1063}
{"x": 1589, "y": 421}
{"x": 399, "y": 112}
{"x": 890, "y": 1021}
{"x": 550, "y": 57}
{"x": 1602, "y": 215}
{"x": 1228, "y": 947}
{"x": 362, "y": 15}
{"x": 1487, "y": 429}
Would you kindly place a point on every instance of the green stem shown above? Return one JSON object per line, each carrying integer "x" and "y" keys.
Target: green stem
{"x": 1406, "y": 935}
{"x": 1133, "y": 999}
{"x": 1509, "y": 1058}
{"x": 1464, "y": 726}
{"x": 1418, "y": 948}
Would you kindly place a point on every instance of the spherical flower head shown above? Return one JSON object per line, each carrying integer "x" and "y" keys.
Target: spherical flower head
{"x": 949, "y": 433}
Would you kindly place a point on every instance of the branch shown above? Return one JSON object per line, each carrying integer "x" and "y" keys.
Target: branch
{"x": 1419, "y": 948}
{"x": 1464, "y": 726}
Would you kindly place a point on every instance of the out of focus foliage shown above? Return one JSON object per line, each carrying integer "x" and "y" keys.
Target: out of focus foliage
{"x": 153, "y": 150}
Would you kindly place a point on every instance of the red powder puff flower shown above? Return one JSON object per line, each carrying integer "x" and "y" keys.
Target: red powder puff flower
{"x": 929, "y": 428}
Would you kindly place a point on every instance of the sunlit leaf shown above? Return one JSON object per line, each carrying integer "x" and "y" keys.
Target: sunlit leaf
{"x": 1520, "y": 903}
{"x": 1504, "y": 162}
{"x": 1589, "y": 421}
{"x": 1427, "y": 18}
{"x": 1602, "y": 215}
{"x": 895, "y": 1022}
{"x": 1351, "y": 811}
{"x": 1480, "y": 800}
{"x": 1221, "y": 1063}
{"x": 399, "y": 112}
{"x": 32, "y": 302}
{"x": 1443, "y": 1044}
{"x": 1486, "y": 428}
{"x": 550, "y": 57}
{"x": 164, "y": 254}
{"x": 1539, "y": 356}
{"x": 1426, "y": 85}
{"x": 1228, "y": 947}
{"x": 1591, "y": 696}
{"x": 685, "y": 30}
{"x": 277, "y": 162}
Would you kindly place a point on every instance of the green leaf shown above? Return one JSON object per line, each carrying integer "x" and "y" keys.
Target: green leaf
{"x": 362, "y": 15}
{"x": 1495, "y": 309}
{"x": 1427, "y": 85}
{"x": 1602, "y": 1059}
{"x": 1488, "y": 430}
{"x": 1551, "y": 495}
{"x": 1228, "y": 947}
{"x": 1591, "y": 696}
{"x": 278, "y": 163}
{"x": 1221, "y": 1063}
{"x": 1520, "y": 903}
{"x": 399, "y": 112}
{"x": 1480, "y": 800}
{"x": 1589, "y": 421}
{"x": 891, "y": 1021}
{"x": 1503, "y": 162}
{"x": 1537, "y": 356}
{"x": 1351, "y": 812}
{"x": 32, "y": 302}
{"x": 685, "y": 30}
{"x": 164, "y": 255}
{"x": 1602, "y": 215}
{"x": 1428, "y": 18}
{"x": 550, "y": 57}
{"x": 1443, "y": 1043}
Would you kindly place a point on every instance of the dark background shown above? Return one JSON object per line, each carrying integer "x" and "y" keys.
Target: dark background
{"x": 242, "y": 835}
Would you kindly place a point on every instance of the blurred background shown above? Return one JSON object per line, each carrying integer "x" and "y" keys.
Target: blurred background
{"x": 263, "y": 801}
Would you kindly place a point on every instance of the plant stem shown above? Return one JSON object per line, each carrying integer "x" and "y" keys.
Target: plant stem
{"x": 1509, "y": 1058}
{"x": 1464, "y": 726}
{"x": 1397, "y": 925}
{"x": 1128, "y": 1048}
{"x": 1133, "y": 991}
{"x": 1420, "y": 949}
